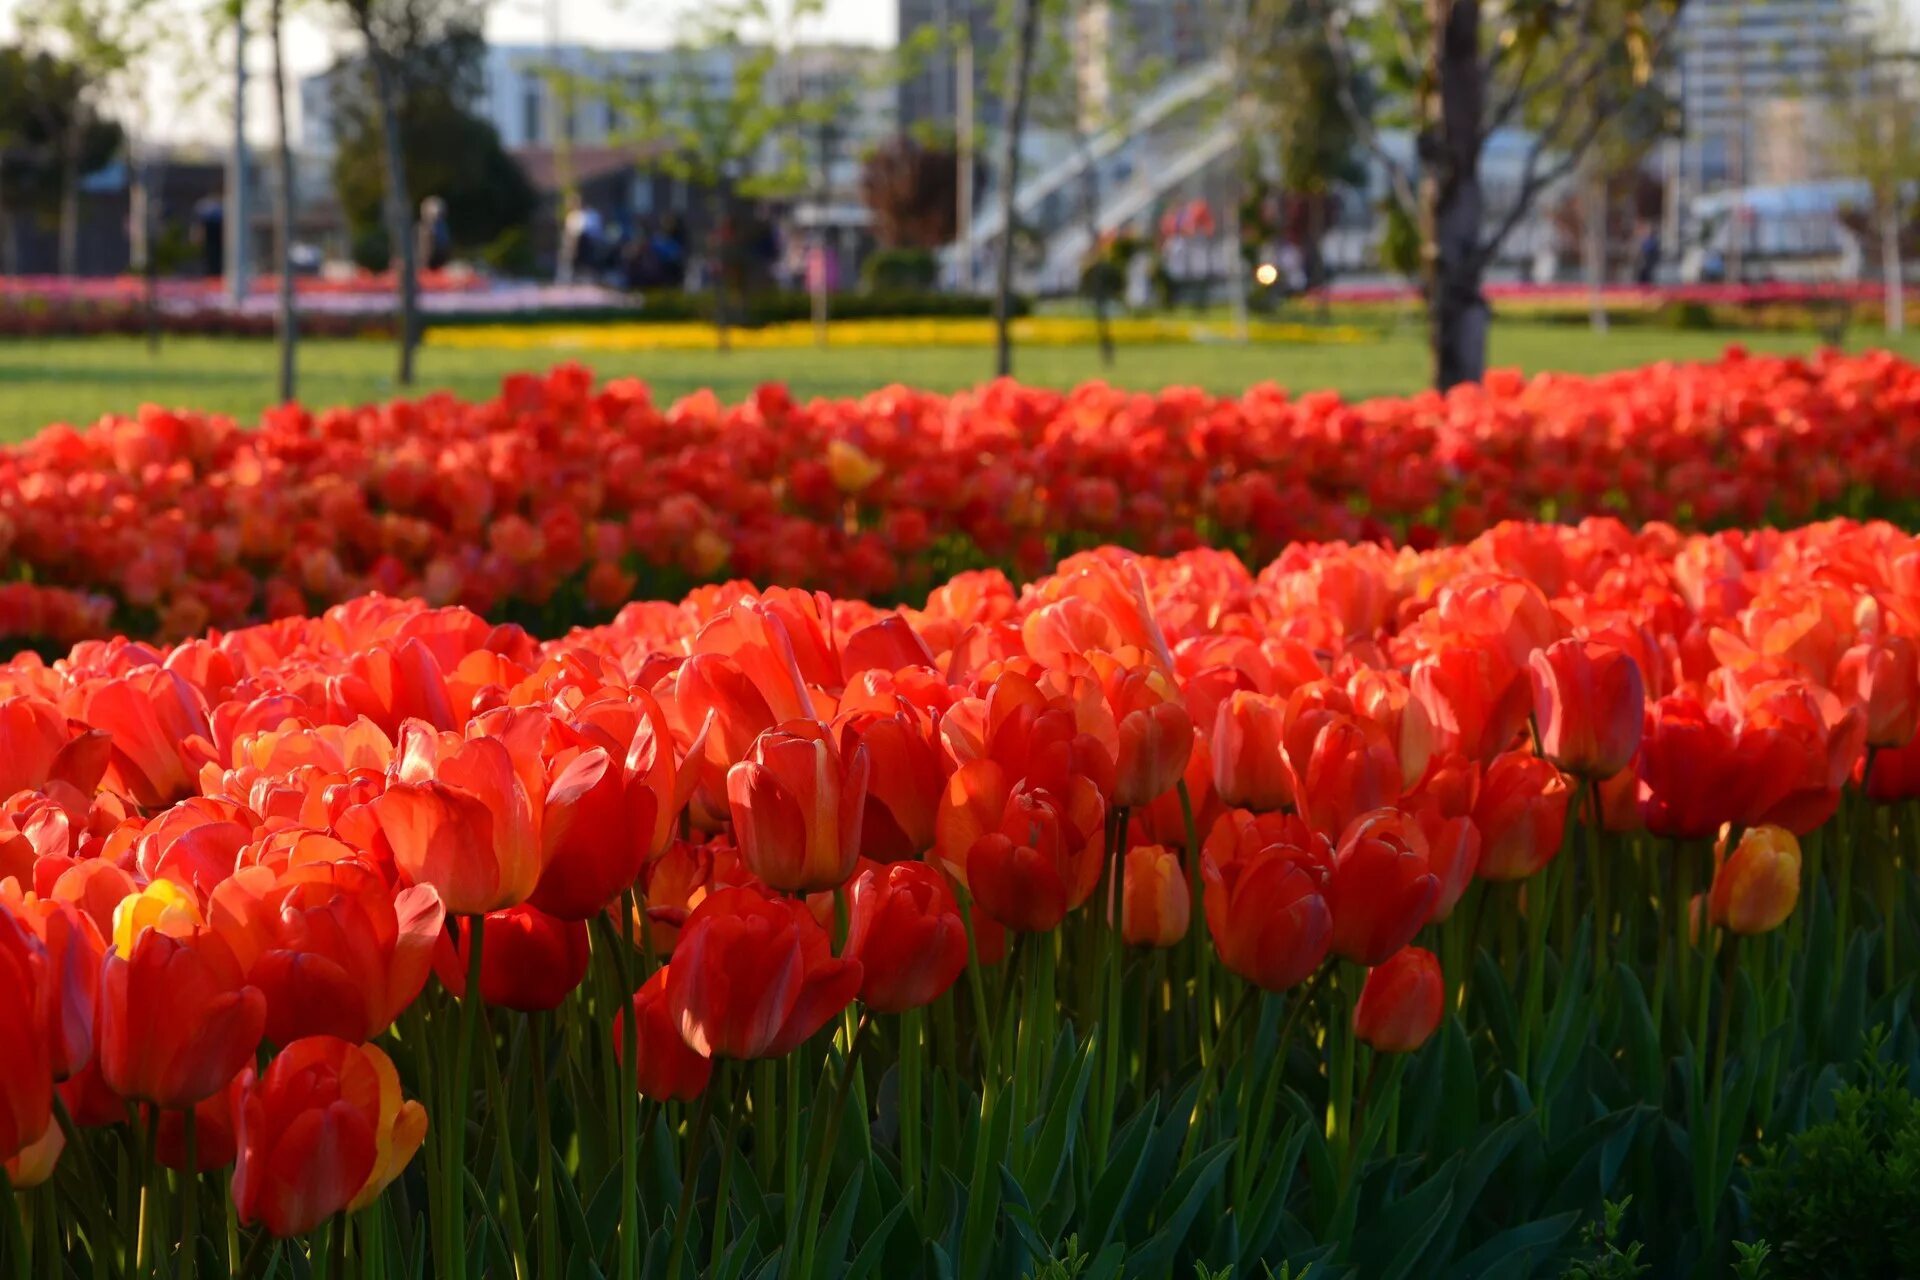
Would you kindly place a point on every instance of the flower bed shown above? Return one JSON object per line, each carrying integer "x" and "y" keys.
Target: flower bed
{"x": 1384, "y": 911}
{"x": 559, "y": 500}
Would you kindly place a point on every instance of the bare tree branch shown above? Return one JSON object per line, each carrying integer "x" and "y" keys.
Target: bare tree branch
{"x": 1575, "y": 94}
{"x": 1399, "y": 178}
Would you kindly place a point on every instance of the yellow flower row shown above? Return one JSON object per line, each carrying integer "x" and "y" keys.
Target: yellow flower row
{"x": 1052, "y": 331}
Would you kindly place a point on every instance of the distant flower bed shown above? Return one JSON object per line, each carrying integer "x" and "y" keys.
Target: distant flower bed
{"x": 1060, "y": 331}
{"x": 558, "y": 500}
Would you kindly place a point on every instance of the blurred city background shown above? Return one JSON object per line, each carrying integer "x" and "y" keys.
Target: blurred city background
{"x": 743, "y": 165}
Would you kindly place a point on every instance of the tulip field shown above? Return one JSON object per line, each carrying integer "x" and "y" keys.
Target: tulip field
{"x": 1119, "y": 836}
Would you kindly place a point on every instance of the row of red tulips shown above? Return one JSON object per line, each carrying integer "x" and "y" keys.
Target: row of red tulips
{"x": 558, "y": 500}
{"x": 237, "y": 874}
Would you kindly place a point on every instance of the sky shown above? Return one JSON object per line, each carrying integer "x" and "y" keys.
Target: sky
{"x": 189, "y": 96}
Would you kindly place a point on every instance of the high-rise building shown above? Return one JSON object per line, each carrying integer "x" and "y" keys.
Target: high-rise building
{"x": 1735, "y": 57}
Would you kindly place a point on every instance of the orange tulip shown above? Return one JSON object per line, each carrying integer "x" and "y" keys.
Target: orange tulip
{"x": 1589, "y": 704}
{"x": 1476, "y": 701}
{"x": 664, "y": 1068}
{"x": 177, "y": 1019}
{"x": 324, "y": 1130}
{"x": 1401, "y": 1004}
{"x": 329, "y": 944}
{"x": 1756, "y": 887}
{"x": 1249, "y": 769}
{"x": 755, "y": 977}
{"x": 1155, "y": 905}
{"x": 797, "y": 806}
{"x": 905, "y": 929}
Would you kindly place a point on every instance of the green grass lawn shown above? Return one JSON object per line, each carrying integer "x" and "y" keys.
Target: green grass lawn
{"x": 78, "y": 380}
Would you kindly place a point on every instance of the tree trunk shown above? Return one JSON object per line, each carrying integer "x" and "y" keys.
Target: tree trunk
{"x": 1097, "y": 273}
{"x": 69, "y": 247}
{"x": 1451, "y": 201}
{"x": 285, "y": 319}
{"x": 399, "y": 201}
{"x": 722, "y": 238}
{"x": 140, "y": 192}
{"x": 1027, "y": 24}
{"x": 1894, "y": 281}
{"x": 1593, "y": 229}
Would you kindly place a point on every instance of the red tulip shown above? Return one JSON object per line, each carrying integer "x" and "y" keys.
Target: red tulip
{"x": 73, "y": 949}
{"x": 26, "y": 1071}
{"x": 1026, "y": 855}
{"x": 596, "y": 834}
{"x": 665, "y": 1069}
{"x": 1883, "y": 676}
{"x": 461, "y": 818}
{"x": 755, "y": 976}
{"x": 1249, "y": 769}
{"x": 905, "y": 777}
{"x": 331, "y": 946}
{"x": 1155, "y": 736}
{"x": 1476, "y": 701}
{"x": 1589, "y": 704}
{"x": 323, "y": 1131}
{"x": 1155, "y": 905}
{"x": 797, "y": 805}
{"x": 529, "y": 960}
{"x": 905, "y": 929}
{"x": 1522, "y": 816}
{"x": 177, "y": 1020}
{"x": 215, "y": 1140}
{"x": 1401, "y": 1004}
{"x": 1269, "y": 916}
{"x": 1382, "y": 890}
{"x": 1350, "y": 769}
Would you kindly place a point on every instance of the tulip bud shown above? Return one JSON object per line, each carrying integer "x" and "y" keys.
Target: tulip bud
{"x": 1401, "y": 1004}
{"x": 322, "y": 1131}
{"x": 904, "y": 927}
{"x": 1883, "y": 676}
{"x": 1249, "y": 768}
{"x": 529, "y": 961}
{"x": 1589, "y": 703}
{"x": 26, "y": 1073}
{"x": 1522, "y": 816}
{"x": 664, "y": 1068}
{"x": 797, "y": 806}
{"x": 1154, "y": 906}
{"x": 33, "y": 1164}
{"x": 1268, "y": 915}
{"x": 1756, "y": 887}
{"x": 1382, "y": 889}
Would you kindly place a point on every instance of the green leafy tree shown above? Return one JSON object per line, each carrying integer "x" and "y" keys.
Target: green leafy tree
{"x": 49, "y": 130}
{"x": 420, "y": 59}
{"x": 1455, "y": 72}
{"x": 726, "y": 122}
